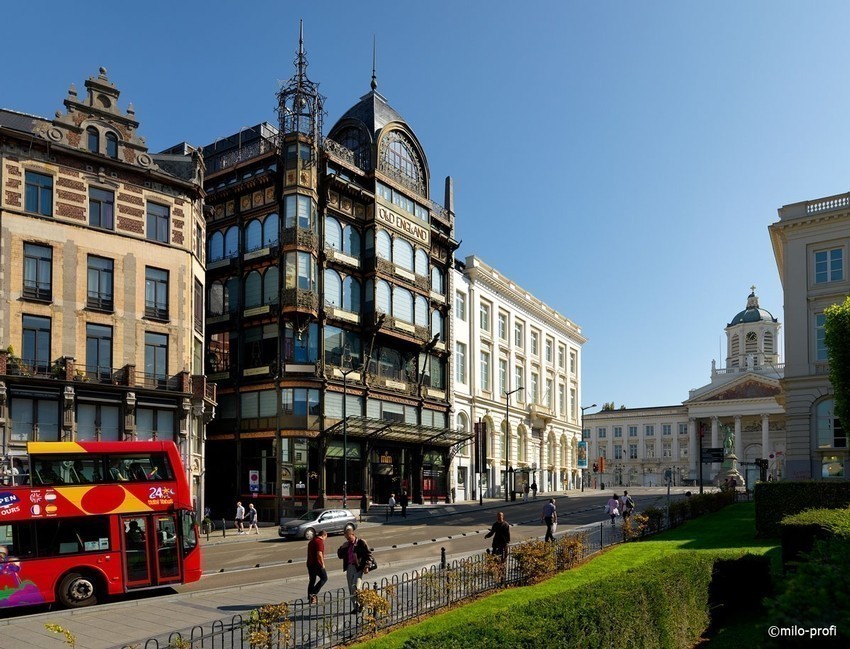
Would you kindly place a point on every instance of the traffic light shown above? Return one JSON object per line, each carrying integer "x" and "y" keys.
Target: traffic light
{"x": 595, "y": 467}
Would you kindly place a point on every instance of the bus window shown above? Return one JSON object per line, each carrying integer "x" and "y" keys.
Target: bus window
{"x": 46, "y": 473}
{"x": 139, "y": 468}
{"x": 6, "y": 540}
{"x": 59, "y": 536}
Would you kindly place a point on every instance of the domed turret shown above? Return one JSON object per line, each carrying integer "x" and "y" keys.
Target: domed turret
{"x": 381, "y": 140}
{"x": 752, "y": 336}
{"x": 752, "y": 313}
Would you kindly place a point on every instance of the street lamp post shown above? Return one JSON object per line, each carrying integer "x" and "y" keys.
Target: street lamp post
{"x": 345, "y": 373}
{"x": 584, "y": 471}
{"x": 508, "y": 394}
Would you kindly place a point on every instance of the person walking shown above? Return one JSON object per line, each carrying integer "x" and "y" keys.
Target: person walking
{"x": 501, "y": 533}
{"x": 534, "y": 489}
{"x": 613, "y": 507}
{"x": 252, "y": 519}
{"x": 316, "y": 570}
{"x": 626, "y": 505}
{"x": 240, "y": 516}
{"x": 356, "y": 559}
{"x": 403, "y": 500}
{"x": 525, "y": 491}
{"x": 391, "y": 506}
{"x": 550, "y": 518}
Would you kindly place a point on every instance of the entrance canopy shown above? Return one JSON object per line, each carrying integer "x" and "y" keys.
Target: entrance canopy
{"x": 399, "y": 431}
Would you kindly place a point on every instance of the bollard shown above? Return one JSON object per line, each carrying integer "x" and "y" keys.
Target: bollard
{"x": 223, "y": 528}
{"x": 443, "y": 558}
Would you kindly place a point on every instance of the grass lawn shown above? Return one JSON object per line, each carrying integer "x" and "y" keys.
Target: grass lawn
{"x": 730, "y": 531}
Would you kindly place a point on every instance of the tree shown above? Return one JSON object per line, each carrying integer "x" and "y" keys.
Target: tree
{"x": 837, "y": 339}
{"x": 610, "y": 405}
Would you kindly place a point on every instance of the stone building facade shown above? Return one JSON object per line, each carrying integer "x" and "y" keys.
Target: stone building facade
{"x": 102, "y": 276}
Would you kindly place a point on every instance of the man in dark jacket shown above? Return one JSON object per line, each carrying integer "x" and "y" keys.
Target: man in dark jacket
{"x": 501, "y": 533}
{"x": 356, "y": 559}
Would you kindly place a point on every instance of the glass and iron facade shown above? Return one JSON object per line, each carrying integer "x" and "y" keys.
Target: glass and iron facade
{"x": 327, "y": 310}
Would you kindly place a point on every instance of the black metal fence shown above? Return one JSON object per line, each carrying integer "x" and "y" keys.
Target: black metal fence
{"x": 399, "y": 598}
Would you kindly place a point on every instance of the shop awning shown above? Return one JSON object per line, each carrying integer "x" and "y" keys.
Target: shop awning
{"x": 399, "y": 431}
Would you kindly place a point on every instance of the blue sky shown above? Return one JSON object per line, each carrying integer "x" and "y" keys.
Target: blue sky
{"x": 620, "y": 160}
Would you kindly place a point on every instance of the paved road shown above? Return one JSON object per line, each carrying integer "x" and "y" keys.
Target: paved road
{"x": 248, "y": 571}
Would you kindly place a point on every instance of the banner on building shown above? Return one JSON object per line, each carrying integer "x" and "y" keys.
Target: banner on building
{"x": 581, "y": 460}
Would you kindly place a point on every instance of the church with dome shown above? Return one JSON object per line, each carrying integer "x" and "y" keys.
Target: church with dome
{"x": 741, "y": 409}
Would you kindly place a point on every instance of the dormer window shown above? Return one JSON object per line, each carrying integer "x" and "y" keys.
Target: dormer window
{"x": 112, "y": 145}
{"x": 93, "y": 139}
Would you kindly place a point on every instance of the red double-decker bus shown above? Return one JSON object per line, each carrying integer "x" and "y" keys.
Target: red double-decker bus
{"x": 84, "y": 520}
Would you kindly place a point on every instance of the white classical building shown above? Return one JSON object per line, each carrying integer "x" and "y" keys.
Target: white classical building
{"x": 516, "y": 368}
{"x": 647, "y": 446}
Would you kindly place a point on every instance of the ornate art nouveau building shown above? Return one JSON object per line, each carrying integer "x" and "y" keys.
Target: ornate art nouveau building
{"x": 102, "y": 281}
{"x": 327, "y": 319}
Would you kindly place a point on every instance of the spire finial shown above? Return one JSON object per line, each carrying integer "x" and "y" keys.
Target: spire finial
{"x": 374, "y": 61}
{"x": 301, "y": 60}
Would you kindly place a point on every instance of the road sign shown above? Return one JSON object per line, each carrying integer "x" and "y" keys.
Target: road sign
{"x": 254, "y": 480}
{"x": 711, "y": 455}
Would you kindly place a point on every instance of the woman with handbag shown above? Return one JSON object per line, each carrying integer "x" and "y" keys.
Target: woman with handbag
{"x": 613, "y": 508}
{"x": 356, "y": 561}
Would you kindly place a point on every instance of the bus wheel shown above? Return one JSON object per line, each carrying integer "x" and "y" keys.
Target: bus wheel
{"x": 77, "y": 590}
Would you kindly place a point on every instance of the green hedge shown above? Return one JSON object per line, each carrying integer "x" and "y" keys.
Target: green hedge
{"x": 816, "y": 595}
{"x": 799, "y": 532}
{"x": 775, "y": 500}
{"x": 663, "y": 603}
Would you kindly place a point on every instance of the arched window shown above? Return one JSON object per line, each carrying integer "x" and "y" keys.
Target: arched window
{"x": 437, "y": 281}
{"x": 463, "y": 426}
{"x": 333, "y": 288}
{"x": 383, "y": 245}
{"x": 421, "y": 262}
{"x": 751, "y": 342}
{"x": 398, "y": 159}
{"x": 351, "y": 242}
{"x": 768, "y": 342}
{"x": 383, "y": 297}
{"x": 111, "y": 145}
{"x": 402, "y": 304}
{"x": 351, "y": 294}
{"x": 333, "y": 233}
{"x": 421, "y": 312}
{"x": 437, "y": 324}
{"x": 271, "y": 230}
{"x": 215, "y": 304}
{"x": 216, "y": 247}
{"x": 403, "y": 254}
{"x": 253, "y": 289}
{"x": 231, "y": 242}
{"x": 734, "y": 350}
{"x": 357, "y": 141}
{"x": 253, "y": 235}
{"x": 93, "y": 139}
{"x": 271, "y": 285}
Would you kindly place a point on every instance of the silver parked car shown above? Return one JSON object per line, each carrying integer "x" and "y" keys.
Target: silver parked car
{"x": 335, "y": 521}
